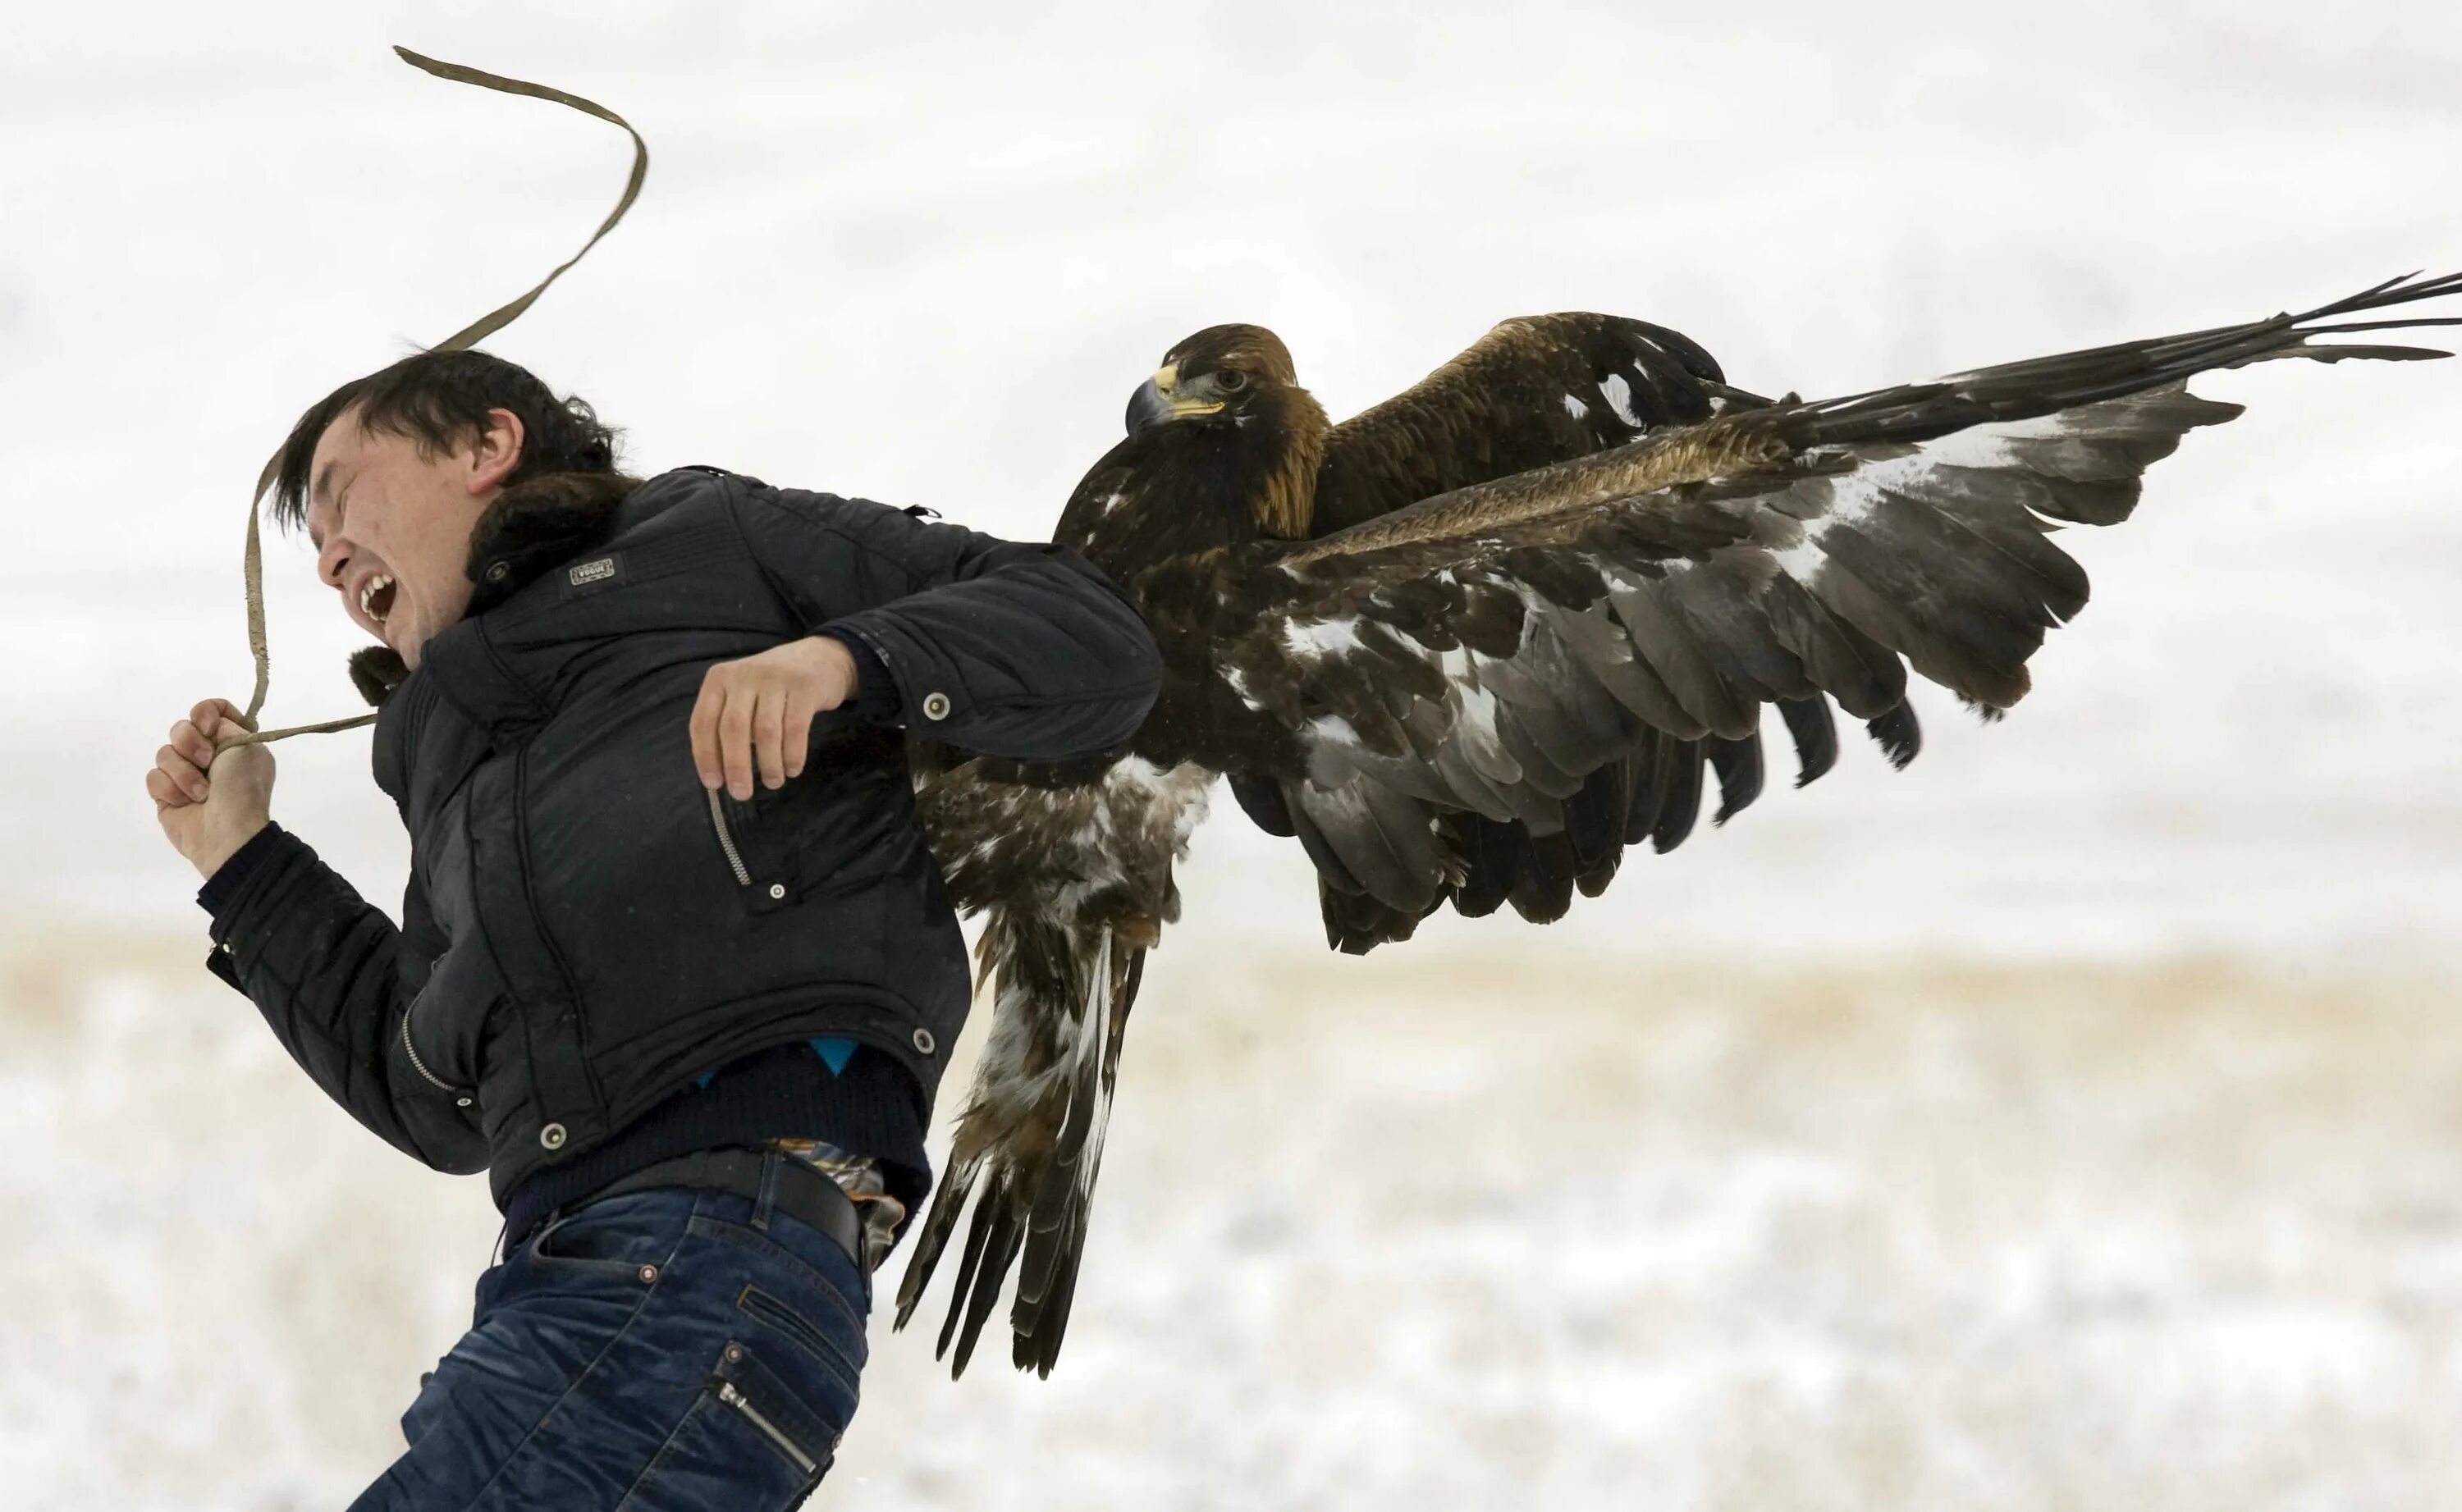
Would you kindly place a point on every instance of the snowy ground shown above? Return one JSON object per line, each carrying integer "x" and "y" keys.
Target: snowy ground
{"x": 1395, "y": 1236}
{"x": 2079, "y": 1130}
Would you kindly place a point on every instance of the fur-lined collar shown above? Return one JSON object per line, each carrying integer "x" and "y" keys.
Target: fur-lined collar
{"x": 524, "y": 530}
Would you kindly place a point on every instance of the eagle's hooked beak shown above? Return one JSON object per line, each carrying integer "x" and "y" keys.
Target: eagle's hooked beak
{"x": 1158, "y": 402}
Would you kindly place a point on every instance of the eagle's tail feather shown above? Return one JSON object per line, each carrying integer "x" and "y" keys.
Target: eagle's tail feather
{"x": 993, "y": 1233}
{"x": 1031, "y": 1137}
{"x": 948, "y": 1202}
{"x": 1055, "y": 1229}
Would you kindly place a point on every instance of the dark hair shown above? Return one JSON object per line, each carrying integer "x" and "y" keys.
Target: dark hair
{"x": 436, "y": 398}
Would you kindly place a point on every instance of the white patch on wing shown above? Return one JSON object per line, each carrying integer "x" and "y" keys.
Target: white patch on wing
{"x": 1322, "y": 638}
{"x": 1334, "y": 730}
{"x": 1475, "y": 723}
{"x": 1468, "y": 721}
{"x": 1237, "y": 681}
{"x": 1850, "y": 499}
{"x": 1619, "y": 397}
{"x": 1987, "y": 445}
{"x": 1576, "y": 407}
{"x": 1855, "y": 496}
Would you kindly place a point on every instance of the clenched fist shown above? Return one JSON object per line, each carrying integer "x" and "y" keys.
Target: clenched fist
{"x": 210, "y": 800}
{"x": 759, "y": 709}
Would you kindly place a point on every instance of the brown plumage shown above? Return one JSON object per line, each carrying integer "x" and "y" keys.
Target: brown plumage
{"x": 1472, "y": 645}
{"x": 1500, "y": 409}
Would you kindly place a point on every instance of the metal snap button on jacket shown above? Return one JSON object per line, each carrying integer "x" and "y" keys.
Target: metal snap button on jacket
{"x": 923, "y": 1041}
{"x": 936, "y": 706}
{"x": 777, "y": 889}
{"x": 553, "y": 1136}
{"x": 496, "y": 570}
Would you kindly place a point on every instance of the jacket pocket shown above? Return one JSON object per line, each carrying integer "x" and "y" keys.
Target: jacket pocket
{"x": 749, "y": 842}
{"x": 438, "y": 1073}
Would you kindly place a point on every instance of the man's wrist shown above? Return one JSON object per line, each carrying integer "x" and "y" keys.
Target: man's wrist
{"x": 224, "y": 874}
{"x": 876, "y": 693}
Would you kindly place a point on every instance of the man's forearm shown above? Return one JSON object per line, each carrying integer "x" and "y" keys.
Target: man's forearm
{"x": 1037, "y": 657}
{"x": 324, "y": 968}
{"x": 1009, "y": 649}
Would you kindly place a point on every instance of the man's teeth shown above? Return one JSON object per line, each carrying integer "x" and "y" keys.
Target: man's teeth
{"x": 368, "y": 592}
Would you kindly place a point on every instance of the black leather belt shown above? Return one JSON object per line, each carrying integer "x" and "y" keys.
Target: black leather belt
{"x": 803, "y": 1193}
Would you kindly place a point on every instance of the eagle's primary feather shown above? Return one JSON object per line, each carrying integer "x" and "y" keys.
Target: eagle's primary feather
{"x": 1472, "y": 645}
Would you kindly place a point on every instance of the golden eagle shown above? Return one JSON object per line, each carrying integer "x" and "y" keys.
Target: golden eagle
{"x": 1472, "y": 644}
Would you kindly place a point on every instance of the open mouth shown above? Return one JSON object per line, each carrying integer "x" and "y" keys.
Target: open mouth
{"x": 375, "y": 597}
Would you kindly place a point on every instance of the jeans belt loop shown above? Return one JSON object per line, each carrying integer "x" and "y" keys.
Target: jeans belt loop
{"x": 767, "y": 1202}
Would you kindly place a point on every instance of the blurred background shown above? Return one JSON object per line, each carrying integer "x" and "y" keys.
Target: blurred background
{"x": 2073, "y": 1120}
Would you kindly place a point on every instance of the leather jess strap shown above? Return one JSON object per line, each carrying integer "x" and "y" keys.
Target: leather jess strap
{"x": 253, "y": 563}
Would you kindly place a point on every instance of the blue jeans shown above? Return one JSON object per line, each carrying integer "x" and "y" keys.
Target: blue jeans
{"x": 676, "y": 1348}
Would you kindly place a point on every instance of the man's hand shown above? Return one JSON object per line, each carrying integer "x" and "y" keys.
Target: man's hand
{"x": 762, "y": 708}
{"x": 209, "y": 800}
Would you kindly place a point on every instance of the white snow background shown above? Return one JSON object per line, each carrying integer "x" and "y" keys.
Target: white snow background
{"x": 2069, "y": 1120}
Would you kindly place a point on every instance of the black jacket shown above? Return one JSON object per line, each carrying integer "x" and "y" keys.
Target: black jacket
{"x": 586, "y": 928}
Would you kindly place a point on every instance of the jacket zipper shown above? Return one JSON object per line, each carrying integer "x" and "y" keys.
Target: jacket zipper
{"x": 726, "y": 842}
{"x": 419, "y": 1064}
{"x": 728, "y": 1394}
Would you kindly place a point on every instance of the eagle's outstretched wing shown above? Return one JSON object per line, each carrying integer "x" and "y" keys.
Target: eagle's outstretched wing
{"x": 1536, "y": 390}
{"x": 1487, "y": 652}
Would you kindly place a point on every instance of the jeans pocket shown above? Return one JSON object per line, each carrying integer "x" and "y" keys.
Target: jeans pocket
{"x": 750, "y": 1440}
{"x": 807, "y": 1271}
{"x": 628, "y": 1237}
{"x": 841, "y": 1357}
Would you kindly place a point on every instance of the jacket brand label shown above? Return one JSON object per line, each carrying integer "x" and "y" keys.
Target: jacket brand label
{"x": 592, "y": 571}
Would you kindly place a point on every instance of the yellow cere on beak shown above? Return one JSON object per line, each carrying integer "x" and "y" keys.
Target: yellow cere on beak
{"x": 1166, "y": 381}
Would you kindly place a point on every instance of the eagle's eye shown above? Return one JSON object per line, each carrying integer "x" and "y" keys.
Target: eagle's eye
{"x": 1230, "y": 380}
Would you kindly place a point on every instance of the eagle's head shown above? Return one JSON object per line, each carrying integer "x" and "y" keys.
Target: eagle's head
{"x": 1224, "y": 373}
{"x": 1239, "y": 380}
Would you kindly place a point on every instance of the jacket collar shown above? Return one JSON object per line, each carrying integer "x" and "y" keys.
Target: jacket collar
{"x": 534, "y": 527}
{"x": 524, "y": 530}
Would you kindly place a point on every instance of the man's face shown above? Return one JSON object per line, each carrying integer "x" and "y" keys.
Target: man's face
{"x": 392, "y": 527}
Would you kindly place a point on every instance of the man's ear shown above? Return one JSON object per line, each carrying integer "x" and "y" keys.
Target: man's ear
{"x": 496, "y": 450}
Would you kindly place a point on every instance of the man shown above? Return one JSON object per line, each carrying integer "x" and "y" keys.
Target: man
{"x": 673, "y": 966}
